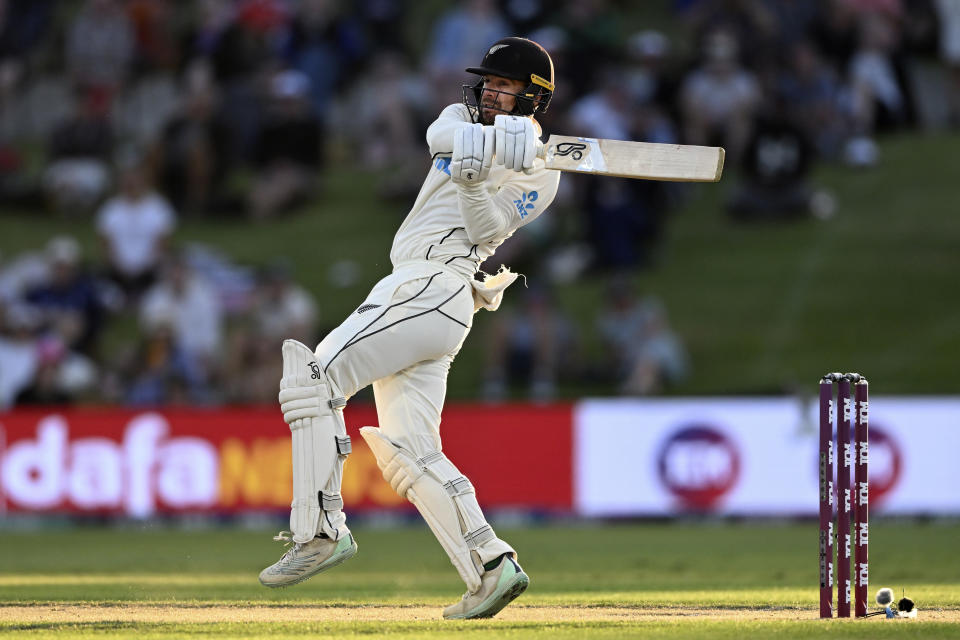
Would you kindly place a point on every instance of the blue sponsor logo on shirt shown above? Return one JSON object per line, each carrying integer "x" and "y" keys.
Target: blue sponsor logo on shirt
{"x": 442, "y": 164}
{"x": 525, "y": 204}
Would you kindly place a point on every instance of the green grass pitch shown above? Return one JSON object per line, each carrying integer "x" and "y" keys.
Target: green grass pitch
{"x": 716, "y": 580}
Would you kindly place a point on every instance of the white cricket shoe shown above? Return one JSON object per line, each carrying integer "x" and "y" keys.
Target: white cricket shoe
{"x": 498, "y": 588}
{"x": 305, "y": 559}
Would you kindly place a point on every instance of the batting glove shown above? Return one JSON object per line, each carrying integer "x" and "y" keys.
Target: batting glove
{"x": 472, "y": 154}
{"x": 516, "y": 146}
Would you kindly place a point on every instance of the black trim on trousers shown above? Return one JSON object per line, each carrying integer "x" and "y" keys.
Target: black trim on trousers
{"x": 335, "y": 529}
{"x": 452, "y": 318}
{"x": 382, "y": 313}
{"x": 393, "y": 324}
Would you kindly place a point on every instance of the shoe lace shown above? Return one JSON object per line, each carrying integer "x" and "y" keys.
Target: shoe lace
{"x": 287, "y": 538}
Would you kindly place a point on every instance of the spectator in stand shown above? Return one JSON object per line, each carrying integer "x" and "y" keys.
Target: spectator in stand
{"x": 650, "y": 77}
{"x": 21, "y": 273}
{"x": 213, "y": 21}
{"x": 36, "y": 367}
{"x": 623, "y": 223}
{"x": 156, "y": 35}
{"x": 529, "y": 346}
{"x": 12, "y": 161}
{"x": 45, "y": 389}
{"x": 283, "y": 309}
{"x": 774, "y": 182}
{"x": 793, "y": 20}
{"x": 242, "y": 41}
{"x": 660, "y": 363}
{"x": 458, "y": 34}
{"x": 326, "y": 46}
{"x": 183, "y": 300}
{"x": 812, "y": 91}
{"x": 623, "y": 217}
{"x": 78, "y": 153}
{"x": 718, "y": 100}
{"x": 135, "y": 227}
{"x": 192, "y": 151}
{"x": 525, "y": 16}
{"x": 251, "y": 368}
{"x": 752, "y": 22}
{"x": 608, "y": 204}
{"x": 287, "y": 155}
{"x": 70, "y": 301}
{"x": 592, "y": 40}
{"x": 879, "y": 99}
{"x": 649, "y": 357}
{"x": 835, "y": 33}
{"x": 100, "y": 46}
{"x": 380, "y": 21}
{"x": 161, "y": 372}
{"x": 19, "y": 356}
{"x": 241, "y": 36}
{"x": 605, "y": 112}
{"x": 61, "y": 377}
{"x": 22, "y": 26}
{"x": 385, "y": 115}
{"x": 948, "y": 13}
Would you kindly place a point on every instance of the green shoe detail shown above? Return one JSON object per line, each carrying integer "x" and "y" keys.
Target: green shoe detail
{"x": 493, "y": 564}
{"x": 511, "y": 583}
{"x": 345, "y": 550}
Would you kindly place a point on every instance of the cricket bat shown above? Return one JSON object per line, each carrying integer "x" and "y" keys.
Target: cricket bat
{"x": 642, "y": 160}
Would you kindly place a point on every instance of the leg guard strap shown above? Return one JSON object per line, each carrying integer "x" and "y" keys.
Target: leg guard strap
{"x": 479, "y": 537}
{"x": 437, "y": 465}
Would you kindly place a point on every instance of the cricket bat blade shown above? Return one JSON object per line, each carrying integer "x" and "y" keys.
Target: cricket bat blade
{"x": 641, "y": 160}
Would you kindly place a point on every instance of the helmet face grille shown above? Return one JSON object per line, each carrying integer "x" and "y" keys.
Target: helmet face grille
{"x": 518, "y": 59}
{"x": 527, "y": 103}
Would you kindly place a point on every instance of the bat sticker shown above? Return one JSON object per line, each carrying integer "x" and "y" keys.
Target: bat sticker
{"x": 573, "y": 149}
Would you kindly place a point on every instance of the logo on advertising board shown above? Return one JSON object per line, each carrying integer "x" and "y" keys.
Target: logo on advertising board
{"x": 110, "y": 461}
{"x": 146, "y": 470}
{"x": 99, "y": 473}
{"x": 698, "y": 465}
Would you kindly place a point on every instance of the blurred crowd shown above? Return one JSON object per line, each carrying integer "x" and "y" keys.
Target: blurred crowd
{"x": 190, "y": 327}
{"x": 138, "y": 114}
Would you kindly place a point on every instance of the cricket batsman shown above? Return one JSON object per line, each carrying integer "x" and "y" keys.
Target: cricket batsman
{"x": 485, "y": 182}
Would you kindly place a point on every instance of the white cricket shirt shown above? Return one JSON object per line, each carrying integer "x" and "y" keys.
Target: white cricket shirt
{"x": 435, "y": 230}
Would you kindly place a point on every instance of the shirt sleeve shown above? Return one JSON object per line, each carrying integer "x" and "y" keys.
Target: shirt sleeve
{"x": 440, "y": 133}
{"x": 491, "y": 217}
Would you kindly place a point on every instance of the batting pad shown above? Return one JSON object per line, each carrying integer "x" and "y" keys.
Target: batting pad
{"x": 445, "y": 499}
{"x": 320, "y": 441}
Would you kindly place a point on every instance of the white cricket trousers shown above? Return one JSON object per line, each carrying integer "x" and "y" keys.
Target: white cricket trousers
{"x": 402, "y": 339}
